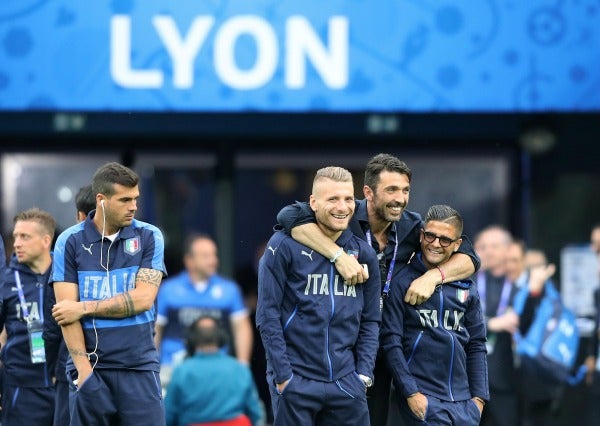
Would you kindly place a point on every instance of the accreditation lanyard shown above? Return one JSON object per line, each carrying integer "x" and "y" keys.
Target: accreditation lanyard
{"x": 388, "y": 279}
{"x": 24, "y": 307}
{"x": 504, "y": 296}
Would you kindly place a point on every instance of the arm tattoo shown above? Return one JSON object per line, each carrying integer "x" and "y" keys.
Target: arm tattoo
{"x": 152, "y": 277}
{"x": 77, "y": 352}
{"x": 129, "y": 307}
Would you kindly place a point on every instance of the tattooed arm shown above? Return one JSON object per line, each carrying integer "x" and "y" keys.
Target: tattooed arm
{"x": 121, "y": 305}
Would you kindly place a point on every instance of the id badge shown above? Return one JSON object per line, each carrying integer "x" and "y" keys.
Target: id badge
{"x": 490, "y": 344}
{"x": 36, "y": 342}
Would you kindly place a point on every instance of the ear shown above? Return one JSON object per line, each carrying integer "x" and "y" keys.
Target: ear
{"x": 458, "y": 243}
{"x": 99, "y": 198}
{"x": 368, "y": 193}
{"x": 313, "y": 203}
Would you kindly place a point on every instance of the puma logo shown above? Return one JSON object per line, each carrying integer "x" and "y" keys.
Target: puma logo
{"x": 88, "y": 249}
{"x": 309, "y": 255}
{"x": 272, "y": 249}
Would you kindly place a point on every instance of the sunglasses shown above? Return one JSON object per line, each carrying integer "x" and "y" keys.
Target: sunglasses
{"x": 430, "y": 238}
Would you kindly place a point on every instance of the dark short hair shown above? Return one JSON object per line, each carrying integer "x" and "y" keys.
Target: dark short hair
{"x": 45, "y": 219}
{"x": 199, "y": 336}
{"x": 85, "y": 200}
{"x": 384, "y": 162}
{"x": 110, "y": 174}
{"x": 192, "y": 238}
{"x": 444, "y": 213}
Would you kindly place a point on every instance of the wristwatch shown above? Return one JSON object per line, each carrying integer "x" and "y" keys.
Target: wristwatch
{"x": 366, "y": 380}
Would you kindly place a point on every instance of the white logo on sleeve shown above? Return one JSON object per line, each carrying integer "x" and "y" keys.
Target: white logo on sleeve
{"x": 309, "y": 255}
{"x": 272, "y": 249}
{"x": 88, "y": 249}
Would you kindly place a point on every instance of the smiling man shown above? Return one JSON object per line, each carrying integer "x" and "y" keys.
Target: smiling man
{"x": 436, "y": 351}
{"x": 320, "y": 334}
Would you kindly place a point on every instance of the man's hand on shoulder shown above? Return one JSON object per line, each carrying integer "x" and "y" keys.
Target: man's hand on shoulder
{"x": 352, "y": 271}
{"x": 421, "y": 288}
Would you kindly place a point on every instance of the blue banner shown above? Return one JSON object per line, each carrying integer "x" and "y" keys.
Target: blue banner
{"x": 305, "y": 56}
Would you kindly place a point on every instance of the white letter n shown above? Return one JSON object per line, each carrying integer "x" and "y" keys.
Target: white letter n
{"x": 302, "y": 41}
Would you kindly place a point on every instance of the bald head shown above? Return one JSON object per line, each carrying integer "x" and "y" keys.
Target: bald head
{"x": 491, "y": 245}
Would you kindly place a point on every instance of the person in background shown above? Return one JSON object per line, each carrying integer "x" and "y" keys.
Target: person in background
{"x": 592, "y": 361}
{"x": 538, "y": 397}
{"x": 496, "y": 294}
{"x": 27, "y": 391}
{"x": 436, "y": 351}
{"x": 56, "y": 350}
{"x": 199, "y": 290}
{"x": 320, "y": 335}
{"x": 210, "y": 386}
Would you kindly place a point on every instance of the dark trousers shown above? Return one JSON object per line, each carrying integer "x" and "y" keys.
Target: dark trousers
{"x": 306, "y": 402}
{"x": 378, "y": 395}
{"x": 441, "y": 413}
{"x": 118, "y": 397}
{"x": 27, "y": 406}
{"x": 61, "y": 403}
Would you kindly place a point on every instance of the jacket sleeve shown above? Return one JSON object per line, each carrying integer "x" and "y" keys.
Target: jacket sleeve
{"x": 392, "y": 333}
{"x": 594, "y": 341}
{"x": 477, "y": 369}
{"x": 466, "y": 247}
{"x": 367, "y": 343}
{"x": 51, "y": 334}
{"x": 294, "y": 215}
{"x": 272, "y": 278}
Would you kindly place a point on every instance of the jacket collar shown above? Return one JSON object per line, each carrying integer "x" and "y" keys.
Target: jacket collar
{"x": 92, "y": 235}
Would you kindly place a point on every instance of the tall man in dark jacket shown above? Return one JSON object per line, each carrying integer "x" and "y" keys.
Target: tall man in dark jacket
{"x": 320, "y": 335}
{"x": 381, "y": 219}
{"x": 27, "y": 391}
{"x": 436, "y": 351}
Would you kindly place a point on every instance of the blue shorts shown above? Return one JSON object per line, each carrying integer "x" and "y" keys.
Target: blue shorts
{"x": 127, "y": 397}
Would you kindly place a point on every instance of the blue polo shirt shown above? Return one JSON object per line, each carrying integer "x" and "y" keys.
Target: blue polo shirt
{"x": 180, "y": 304}
{"x": 103, "y": 269}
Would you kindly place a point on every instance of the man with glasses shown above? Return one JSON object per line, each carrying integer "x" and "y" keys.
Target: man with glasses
{"x": 381, "y": 219}
{"x": 436, "y": 351}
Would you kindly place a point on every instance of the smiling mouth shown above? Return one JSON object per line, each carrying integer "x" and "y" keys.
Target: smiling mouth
{"x": 340, "y": 216}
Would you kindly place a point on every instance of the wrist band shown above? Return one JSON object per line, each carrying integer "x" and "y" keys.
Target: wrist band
{"x": 479, "y": 399}
{"x": 337, "y": 255}
{"x": 442, "y": 274}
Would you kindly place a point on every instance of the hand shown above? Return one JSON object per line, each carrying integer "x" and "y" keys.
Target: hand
{"x": 479, "y": 405}
{"x": 421, "y": 289}
{"x": 83, "y": 374}
{"x": 590, "y": 363}
{"x": 281, "y": 386}
{"x": 508, "y": 321}
{"x": 67, "y": 311}
{"x": 538, "y": 275}
{"x": 418, "y": 403}
{"x": 352, "y": 271}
